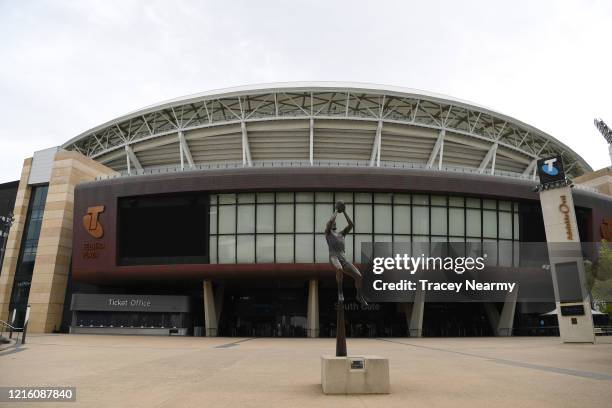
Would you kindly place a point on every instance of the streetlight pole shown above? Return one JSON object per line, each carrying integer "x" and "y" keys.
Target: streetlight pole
{"x": 606, "y": 132}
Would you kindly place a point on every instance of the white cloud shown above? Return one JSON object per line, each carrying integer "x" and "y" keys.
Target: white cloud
{"x": 70, "y": 65}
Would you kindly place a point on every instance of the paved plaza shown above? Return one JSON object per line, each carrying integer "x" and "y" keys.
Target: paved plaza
{"x": 137, "y": 371}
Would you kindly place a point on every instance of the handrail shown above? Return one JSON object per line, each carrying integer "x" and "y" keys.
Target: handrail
{"x": 9, "y": 326}
{"x": 12, "y": 329}
{"x": 603, "y": 330}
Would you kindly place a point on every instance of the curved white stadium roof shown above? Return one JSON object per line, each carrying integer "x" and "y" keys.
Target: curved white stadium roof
{"x": 315, "y": 123}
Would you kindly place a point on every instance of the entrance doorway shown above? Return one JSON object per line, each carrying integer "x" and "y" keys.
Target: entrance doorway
{"x": 252, "y": 311}
{"x": 467, "y": 319}
{"x": 374, "y": 320}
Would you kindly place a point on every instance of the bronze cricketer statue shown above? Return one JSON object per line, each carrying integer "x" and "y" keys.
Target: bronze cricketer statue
{"x": 337, "y": 257}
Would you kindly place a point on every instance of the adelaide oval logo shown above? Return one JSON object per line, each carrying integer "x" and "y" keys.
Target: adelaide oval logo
{"x": 91, "y": 221}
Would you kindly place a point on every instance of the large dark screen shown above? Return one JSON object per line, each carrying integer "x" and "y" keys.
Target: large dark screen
{"x": 163, "y": 229}
{"x": 568, "y": 281}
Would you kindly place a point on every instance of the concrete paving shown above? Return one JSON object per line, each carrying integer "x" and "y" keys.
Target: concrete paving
{"x": 136, "y": 371}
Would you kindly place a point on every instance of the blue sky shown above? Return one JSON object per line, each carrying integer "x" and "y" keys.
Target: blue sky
{"x": 68, "y": 66}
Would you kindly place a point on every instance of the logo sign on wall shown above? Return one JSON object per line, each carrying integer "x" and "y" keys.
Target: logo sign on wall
{"x": 550, "y": 169}
{"x": 91, "y": 221}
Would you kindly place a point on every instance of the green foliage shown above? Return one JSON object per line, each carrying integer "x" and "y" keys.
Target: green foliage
{"x": 603, "y": 270}
{"x": 599, "y": 277}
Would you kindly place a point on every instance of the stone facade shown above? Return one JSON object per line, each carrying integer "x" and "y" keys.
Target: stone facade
{"x": 52, "y": 265}
{"x": 13, "y": 243}
{"x": 600, "y": 180}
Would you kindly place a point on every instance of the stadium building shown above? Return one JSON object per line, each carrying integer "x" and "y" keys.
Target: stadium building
{"x": 204, "y": 215}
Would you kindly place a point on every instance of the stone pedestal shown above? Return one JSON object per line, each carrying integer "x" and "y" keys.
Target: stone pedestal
{"x": 355, "y": 375}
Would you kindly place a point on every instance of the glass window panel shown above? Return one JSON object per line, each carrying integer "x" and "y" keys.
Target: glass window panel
{"x": 472, "y": 218}
{"x": 304, "y": 217}
{"x": 322, "y": 214}
{"x": 420, "y": 238}
{"x": 516, "y": 253}
{"x": 401, "y": 199}
{"x": 212, "y": 250}
{"x": 212, "y": 216}
{"x": 284, "y": 218}
{"x": 516, "y": 226}
{"x": 490, "y": 248}
{"x": 246, "y": 198}
{"x": 438, "y": 200}
{"x": 420, "y": 220}
{"x": 265, "y": 218}
{"x": 401, "y": 219}
{"x": 382, "y": 219}
{"x": 363, "y": 218}
{"x": 383, "y": 238}
{"x": 383, "y": 198}
{"x": 505, "y": 253}
{"x": 505, "y": 205}
{"x": 246, "y": 249}
{"x": 227, "y": 219}
{"x": 505, "y": 225}
{"x": 29, "y": 255}
{"x": 324, "y": 197}
{"x": 455, "y": 239}
{"x": 213, "y": 199}
{"x": 304, "y": 197}
{"x": 359, "y": 238}
{"x": 438, "y": 220}
{"x": 505, "y": 258}
{"x": 33, "y": 229}
{"x": 438, "y": 239}
{"x": 246, "y": 218}
{"x": 284, "y": 197}
{"x": 457, "y": 221}
{"x": 265, "y": 197}
{"x": 490, "y": 204}
{"x": 363, "y": 197}
{"x": 489, "y": 224}
{"x": 455, "y": 201}
{"x": 346, "y": 197}
{"x": 472, "y": 202}
{"x": 304, "y": 248}
{"x": 348, "y": 250}
{"x": 321, "y": 250}
{"x": 37, "y": 194}
{"x": 284, "y": 249}
{"x": 516, "y": 207}
{"x": 401, "y": 245}
{"x": 265, "y": 248}
{"x": 227, "y": 249}
{"x": 420, "y": 199}
{"x": 37, "y": 213}
{"x": 227, "y": 198}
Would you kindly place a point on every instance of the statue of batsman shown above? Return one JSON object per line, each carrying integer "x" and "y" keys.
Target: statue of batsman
{"x": 335, "y": 242}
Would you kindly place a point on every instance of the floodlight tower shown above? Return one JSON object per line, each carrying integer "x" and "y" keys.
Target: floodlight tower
{"x": 606, "y": 133}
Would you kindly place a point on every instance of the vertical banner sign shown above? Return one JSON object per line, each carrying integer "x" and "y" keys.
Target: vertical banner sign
{"x": 572, "y": 300}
